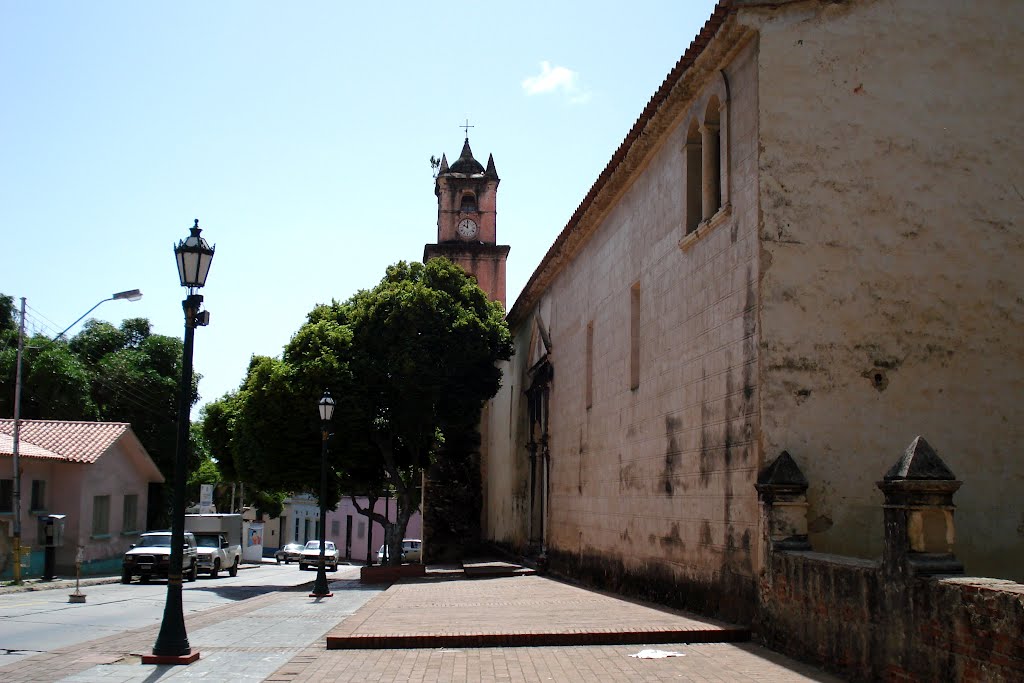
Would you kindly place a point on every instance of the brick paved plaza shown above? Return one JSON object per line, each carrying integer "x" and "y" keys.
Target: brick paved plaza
{"x": 283, "y": 636}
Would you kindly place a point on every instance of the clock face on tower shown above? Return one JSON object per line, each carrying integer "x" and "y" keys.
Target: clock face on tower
{"x": 467, "y": 228}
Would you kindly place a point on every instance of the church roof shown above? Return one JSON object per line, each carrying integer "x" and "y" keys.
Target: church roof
{"x": 466, "y": 163}
{"x": 570, "y": 237}
{"x": 491, "y": 172}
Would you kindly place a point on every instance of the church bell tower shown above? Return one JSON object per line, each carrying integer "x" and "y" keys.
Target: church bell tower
{"x": 466, "y": 221}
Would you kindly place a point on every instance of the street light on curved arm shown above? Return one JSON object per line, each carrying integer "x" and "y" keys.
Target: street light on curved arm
{"x": 194, "y": 256}
{"x": 129, "y": 295}
{"x": 326, "y": 406}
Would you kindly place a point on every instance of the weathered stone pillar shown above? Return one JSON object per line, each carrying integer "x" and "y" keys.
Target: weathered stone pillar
{"x": 919, "y": 532}
{"x": 782, "y": 492}
{"x": 710, "y": 184}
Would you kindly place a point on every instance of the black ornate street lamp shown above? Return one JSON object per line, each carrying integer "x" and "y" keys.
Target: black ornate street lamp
{"x": 326, "y": 405}
{"x": 194, "y": 256}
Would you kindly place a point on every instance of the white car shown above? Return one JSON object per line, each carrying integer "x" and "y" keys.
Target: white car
{"x": 412, "y": 550}
{"x": 310, "y": 556}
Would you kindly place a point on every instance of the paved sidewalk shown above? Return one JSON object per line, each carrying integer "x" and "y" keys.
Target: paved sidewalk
{"x": 281, "y": 637}
{"x": 245, "y": 641}
{"x": 719, "y": 662}
{"x": 516, "y": 611}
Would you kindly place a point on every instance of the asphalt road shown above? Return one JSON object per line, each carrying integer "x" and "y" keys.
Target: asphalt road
{"x": 40, "y": 621}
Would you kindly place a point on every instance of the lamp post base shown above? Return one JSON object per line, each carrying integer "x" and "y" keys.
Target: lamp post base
{"x": 171, "y": 659}
{"x": 322, "y": 595}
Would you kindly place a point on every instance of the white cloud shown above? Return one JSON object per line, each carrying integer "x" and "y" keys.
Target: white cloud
{"x": 556, "y": 79}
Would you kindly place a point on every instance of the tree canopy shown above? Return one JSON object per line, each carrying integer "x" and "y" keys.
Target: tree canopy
{"x": 409, "y": 364}
{"x": 103, "y": 373}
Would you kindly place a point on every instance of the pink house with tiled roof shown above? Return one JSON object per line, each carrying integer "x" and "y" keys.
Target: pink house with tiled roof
{"x": 96, "y": 473}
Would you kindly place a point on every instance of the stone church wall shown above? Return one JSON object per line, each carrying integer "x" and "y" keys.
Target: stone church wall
{"x": 651, "y": 488}
{"x": 891, "y": 137}
{"x": 861, "y": 285}
{"x": 505, "y": 470}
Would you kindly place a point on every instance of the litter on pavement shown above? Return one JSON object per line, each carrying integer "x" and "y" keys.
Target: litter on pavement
{"x": 656, "y": 654}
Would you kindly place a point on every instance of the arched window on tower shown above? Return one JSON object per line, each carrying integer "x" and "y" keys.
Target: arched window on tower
{"x": 693, "y": 177}
{"x": 468, "y": 202}
{"x": 712, "y": 178}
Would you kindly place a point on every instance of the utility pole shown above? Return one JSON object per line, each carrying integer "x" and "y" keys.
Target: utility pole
{"x": 15, "y": 449}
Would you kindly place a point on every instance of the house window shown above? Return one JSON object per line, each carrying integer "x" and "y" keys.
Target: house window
{"x": 298, "y": 539}
{"x": 131, "y": 513}
{"x": 100, "y": 515}
{"x": 6, "y": 495}
{"x": 361, "y": 529}
{"x": 38, "y": 495}
{"x": 335, "y": 528}
{"x": 634, "y": 336}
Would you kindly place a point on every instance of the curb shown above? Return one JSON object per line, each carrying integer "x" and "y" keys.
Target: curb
{"x": 544, "y": 639}
{"x": 67, "y": 584}
{"x": 35, "y": 584}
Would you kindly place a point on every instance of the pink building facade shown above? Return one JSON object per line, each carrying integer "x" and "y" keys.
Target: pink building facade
{"x": 355, "y": 538}
{"x": 94, "y": 474}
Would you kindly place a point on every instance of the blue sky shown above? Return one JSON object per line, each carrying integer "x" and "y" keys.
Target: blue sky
{"x": 300, "y": 135}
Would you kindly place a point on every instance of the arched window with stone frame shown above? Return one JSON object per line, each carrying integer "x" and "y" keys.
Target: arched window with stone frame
{"x": 693, "y": 177}
{"x": 711, "y": 175}
{"x": 706, "y": 156}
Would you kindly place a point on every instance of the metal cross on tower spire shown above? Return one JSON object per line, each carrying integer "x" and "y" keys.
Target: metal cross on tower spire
{"x": 466, "y": 126}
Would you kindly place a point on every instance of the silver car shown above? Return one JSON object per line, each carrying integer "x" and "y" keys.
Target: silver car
{"x": 290, "y": 552}
{"x": 310, "y": 556}
{"x": 412, "y": 550}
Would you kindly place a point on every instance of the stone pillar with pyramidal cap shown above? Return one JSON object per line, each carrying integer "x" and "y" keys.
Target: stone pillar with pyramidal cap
{"x": 782, "y": 490}
{"x": 918, "y": 514}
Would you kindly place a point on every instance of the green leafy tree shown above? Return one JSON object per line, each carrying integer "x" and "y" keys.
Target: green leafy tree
{"x": 217, "y": 419}
{"x": 7, "y": 319}
{"x": 428, "y": 340}
{"x": 218, "y": 422}
{"x": 206, "y": 472}
{"x": 409, "y": 363}
{"x": 105, "y": 373}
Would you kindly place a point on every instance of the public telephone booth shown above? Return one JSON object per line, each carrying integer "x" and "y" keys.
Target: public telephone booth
{"x": 51, "y": 533}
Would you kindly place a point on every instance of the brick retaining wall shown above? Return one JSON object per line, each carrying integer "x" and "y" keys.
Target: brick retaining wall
{"x": 841, "y": 614}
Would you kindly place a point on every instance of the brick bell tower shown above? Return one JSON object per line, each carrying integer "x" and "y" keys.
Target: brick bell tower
{"x": 466, "y": 226}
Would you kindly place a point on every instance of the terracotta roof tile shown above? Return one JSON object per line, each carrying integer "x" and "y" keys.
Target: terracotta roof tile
{"x": 82, "y": 442}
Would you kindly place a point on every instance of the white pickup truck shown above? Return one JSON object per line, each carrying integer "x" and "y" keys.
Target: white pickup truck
{"x": 215, "y": 554}
{"x": 218, "y": 541}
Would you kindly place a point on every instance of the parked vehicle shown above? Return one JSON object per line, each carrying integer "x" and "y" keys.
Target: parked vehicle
{"x": 151, "y": 556}
{"x": 412, "y": 550}
{"x": 215, "y": 553}
{"x": 311, "y": 556}
{"x": 290, "y": 552}
{"x": 219, "y": 537}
